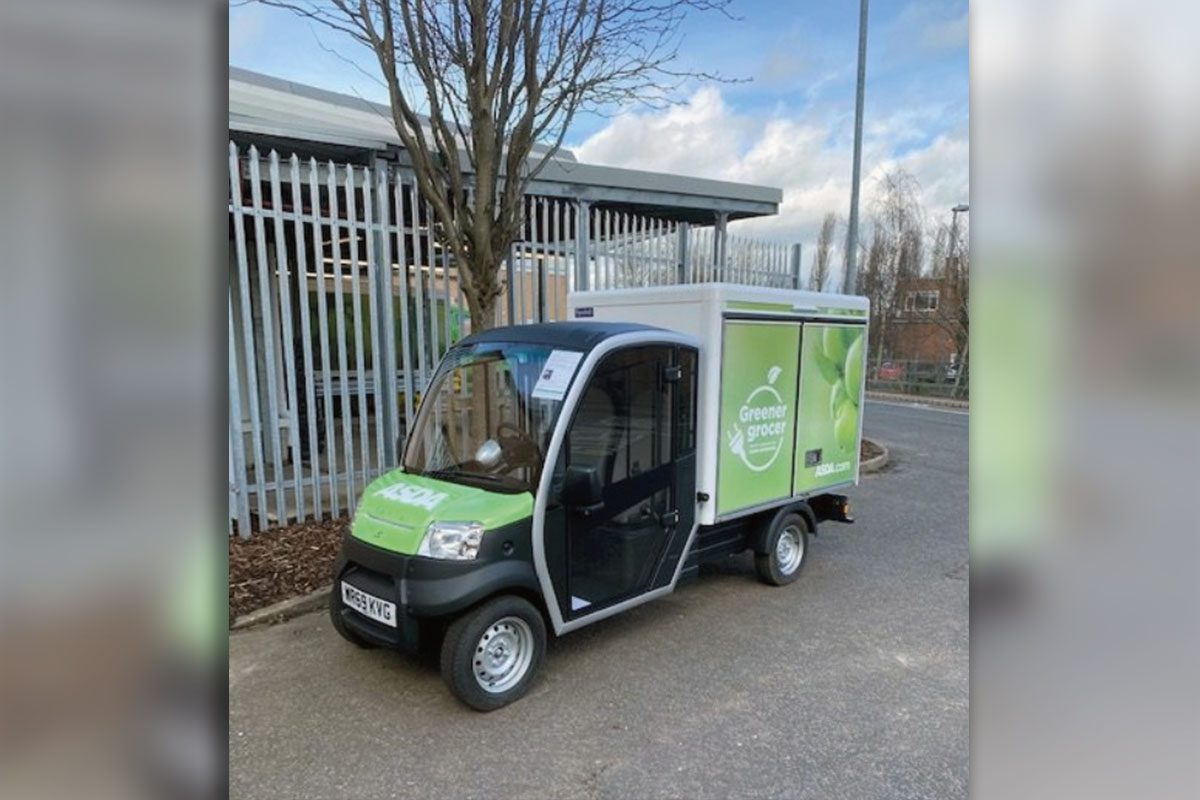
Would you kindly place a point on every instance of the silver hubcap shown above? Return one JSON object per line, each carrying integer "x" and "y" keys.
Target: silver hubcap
{"x": 503, "y": 654}
{"x": 789, "y": 550}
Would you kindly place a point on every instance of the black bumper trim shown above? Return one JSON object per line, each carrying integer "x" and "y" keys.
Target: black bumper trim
{"x": 423, "y": 587}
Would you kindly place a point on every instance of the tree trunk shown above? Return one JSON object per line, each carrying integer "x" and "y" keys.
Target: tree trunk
{"x": 482, "y": 289}
{"x": 883, "y": 321}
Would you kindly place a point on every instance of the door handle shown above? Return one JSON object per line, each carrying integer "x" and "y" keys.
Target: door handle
{"x": 669, "y": 519}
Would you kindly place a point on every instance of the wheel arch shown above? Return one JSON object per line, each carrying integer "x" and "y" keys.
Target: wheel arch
{"x": 525, "y": 591}
{"x": 771, "y": 519}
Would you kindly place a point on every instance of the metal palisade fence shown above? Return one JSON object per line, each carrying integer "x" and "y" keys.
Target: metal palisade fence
{"x": 342, "y": 300}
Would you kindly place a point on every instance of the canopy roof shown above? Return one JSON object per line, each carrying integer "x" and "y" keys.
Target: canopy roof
{"x": 294, "y": 117}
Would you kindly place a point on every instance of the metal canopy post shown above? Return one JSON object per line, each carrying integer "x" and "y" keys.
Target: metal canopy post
{"x": 720, "y": 251}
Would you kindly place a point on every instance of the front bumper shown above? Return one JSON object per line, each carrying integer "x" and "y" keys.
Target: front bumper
{"x": 426, "y": 589}
{"x": 406, "y": 636}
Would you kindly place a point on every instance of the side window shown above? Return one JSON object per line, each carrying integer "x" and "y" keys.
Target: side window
{"x": 622, "y": 427}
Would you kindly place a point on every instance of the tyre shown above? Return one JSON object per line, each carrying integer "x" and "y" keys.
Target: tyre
{"x": 335, "y": 616}
{"x": 786, "y": 551}
{"x": 490, "y": 655}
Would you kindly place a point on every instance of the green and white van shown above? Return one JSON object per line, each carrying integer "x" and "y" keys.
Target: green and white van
{"x": 560, "y": 473}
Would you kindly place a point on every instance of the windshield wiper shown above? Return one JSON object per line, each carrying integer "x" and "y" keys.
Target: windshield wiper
{"x": 454, "y": 472}
{"x": 501, "y": 483}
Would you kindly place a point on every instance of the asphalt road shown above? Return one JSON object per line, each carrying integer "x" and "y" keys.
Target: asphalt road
{"x": 851, "y": 683}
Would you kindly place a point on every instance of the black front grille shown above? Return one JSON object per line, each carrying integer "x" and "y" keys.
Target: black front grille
{"x": 386, "y": 587}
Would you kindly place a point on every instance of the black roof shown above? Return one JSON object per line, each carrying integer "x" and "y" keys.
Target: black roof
{"x": 568, "y": 335}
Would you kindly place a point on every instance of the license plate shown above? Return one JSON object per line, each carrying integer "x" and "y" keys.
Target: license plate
{"x": 369, "y": 605}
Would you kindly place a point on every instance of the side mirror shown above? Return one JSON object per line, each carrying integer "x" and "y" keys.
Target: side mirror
{"x": 583, "y": 489}
{"x": 489, "y": 454}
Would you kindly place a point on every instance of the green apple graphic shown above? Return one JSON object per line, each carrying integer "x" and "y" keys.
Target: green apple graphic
{"x": 830, "y": 370}
{"x": 845, "y": 428}
{"x": 837, "y": 397}
{"x": 853, "y": 369}
{"x": 833, "y": 342}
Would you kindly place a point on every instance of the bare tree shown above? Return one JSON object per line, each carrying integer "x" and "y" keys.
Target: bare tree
{"x": 820, "y": 268}
{"x": 897, "y": 249}
{"x": 872, "y": 283}
{"x": 939, "y": 243}
{"x": 496, "y": 78}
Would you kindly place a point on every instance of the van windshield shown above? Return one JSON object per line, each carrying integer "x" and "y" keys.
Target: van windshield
{"x": 489, "y": 412}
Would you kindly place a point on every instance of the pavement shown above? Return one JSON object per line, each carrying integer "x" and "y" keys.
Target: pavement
{"x": 918, "y": 400}
{"x": 850, "y": 683}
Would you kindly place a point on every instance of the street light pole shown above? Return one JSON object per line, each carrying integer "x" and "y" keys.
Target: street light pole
{"x": 961, "y": 208}
{"x": 851, "y": 277}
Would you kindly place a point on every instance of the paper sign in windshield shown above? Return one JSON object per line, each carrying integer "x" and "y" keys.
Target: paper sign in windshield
{"x": 556, "y": 375}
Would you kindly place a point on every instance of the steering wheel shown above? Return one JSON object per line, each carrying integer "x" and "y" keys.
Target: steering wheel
{"x": 519, "y": 447}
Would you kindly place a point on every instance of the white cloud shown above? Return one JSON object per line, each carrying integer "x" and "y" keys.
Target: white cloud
{"x": 707, "y": 138}
{"x": 946, "y": 34}
{"x": 927, "y": 26}
{"x": 702, "y": 134}
{"x": 943, "y": 170}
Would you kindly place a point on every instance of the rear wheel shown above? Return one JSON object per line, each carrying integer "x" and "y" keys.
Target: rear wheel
{"x": 786, "y": 549}
{"x": 490, "y": 655}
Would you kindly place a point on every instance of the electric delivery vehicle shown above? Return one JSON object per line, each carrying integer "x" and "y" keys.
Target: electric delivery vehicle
{"x": 559, "y": 473}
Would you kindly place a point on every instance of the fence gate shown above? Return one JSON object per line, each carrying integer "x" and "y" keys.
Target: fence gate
{"x": 342, "y": 301}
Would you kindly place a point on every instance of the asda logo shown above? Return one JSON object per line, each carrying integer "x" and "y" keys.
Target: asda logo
{"x": 762, "y": 422}
{"x": 418, "y": 496}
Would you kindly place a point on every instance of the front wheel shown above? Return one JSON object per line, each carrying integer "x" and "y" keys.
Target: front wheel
{"x": 786, "y": 550}
{"x": 490, "y": 655}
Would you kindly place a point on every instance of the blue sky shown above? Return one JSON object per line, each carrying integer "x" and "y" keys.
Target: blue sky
{"x": 790, "y": 125}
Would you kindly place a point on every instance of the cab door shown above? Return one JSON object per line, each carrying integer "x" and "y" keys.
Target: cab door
{"x": 630, "y": 442}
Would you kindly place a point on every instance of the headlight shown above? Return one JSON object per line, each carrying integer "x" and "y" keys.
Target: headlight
{"x": 453, "y": 540}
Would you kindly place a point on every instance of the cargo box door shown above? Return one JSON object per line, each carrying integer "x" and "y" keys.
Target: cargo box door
{"x": 830, "y": 421}
{"x": 759, "y": 367}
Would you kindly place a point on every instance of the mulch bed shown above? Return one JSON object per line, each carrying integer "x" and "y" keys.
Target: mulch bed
{"x": 869, "y": 449}
{"x": 281, "y": 563}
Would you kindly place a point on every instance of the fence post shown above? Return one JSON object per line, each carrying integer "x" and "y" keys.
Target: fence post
{"x": 582, "y": 256}
{"x": 542, "y": 251}
{"x": 796, "y": 250}
{"x": 387, "y": 412}
{"x": 511, "y": 274}
{"x": 542, "y": 287}
{"x": 681, "y": 265}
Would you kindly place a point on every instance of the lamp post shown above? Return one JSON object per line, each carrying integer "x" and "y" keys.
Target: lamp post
{"x": 961, "y": 208}
{"x": 851, "y": 276}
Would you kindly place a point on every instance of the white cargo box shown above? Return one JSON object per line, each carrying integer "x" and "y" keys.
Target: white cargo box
{"x": 781, "y": 376}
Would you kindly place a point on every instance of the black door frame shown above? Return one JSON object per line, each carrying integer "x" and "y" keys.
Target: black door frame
{"x": 679, "y": 472}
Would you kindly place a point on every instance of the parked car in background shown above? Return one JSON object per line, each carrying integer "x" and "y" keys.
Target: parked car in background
{"x": 889, "y": 371}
